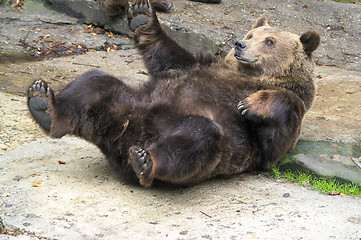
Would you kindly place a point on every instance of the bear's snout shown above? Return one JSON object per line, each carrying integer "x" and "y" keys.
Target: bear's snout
{"x": 245, "y": 57}
{"x": 240, "y": 46}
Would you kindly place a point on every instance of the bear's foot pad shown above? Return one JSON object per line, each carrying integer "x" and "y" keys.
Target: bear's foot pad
{"x": 38, "y": 94}
{"x": 141, "y": 164}
{"x": 139, "y": 14}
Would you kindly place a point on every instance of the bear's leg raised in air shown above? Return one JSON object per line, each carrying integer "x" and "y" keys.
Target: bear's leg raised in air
{"x": 178, "y": 149}
{"x": 79, "y": 109}
{"x": 159, "y": 51}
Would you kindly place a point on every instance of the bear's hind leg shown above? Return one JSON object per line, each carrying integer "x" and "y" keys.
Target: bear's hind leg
{"x": 186, "y": 151}
{"x": 38, "y": 94}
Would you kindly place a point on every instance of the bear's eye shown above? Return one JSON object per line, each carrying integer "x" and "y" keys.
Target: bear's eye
{"x": 269, "y": 42}
{"x": 249, "y": 36}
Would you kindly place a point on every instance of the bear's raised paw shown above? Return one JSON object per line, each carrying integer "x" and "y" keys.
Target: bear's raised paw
{"x": 139, "y": 14}
{"x": 142, "y": 164}
{"x": 38, "y": 103}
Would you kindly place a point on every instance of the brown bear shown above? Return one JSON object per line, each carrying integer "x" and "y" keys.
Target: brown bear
{"x": 197, "y": 117}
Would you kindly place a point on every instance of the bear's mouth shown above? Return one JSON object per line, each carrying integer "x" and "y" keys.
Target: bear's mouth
{"x": 245, "y": 60}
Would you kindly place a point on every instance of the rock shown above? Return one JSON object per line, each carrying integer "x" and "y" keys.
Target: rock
{"x": 90, "y": 12}
{"x": 328, "y": 159}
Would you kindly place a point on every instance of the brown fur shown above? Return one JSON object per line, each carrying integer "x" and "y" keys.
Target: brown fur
{"x": 197, "y": 117}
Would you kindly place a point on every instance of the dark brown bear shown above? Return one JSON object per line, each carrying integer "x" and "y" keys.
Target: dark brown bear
{"x": 196, "y": 117}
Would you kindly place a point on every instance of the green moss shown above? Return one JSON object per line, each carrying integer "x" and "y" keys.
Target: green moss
{"x": 321, "y": 184}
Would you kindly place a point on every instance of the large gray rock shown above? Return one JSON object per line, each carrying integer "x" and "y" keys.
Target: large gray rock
{"x": 327, "y": 159}
{"x": 90, "y": 12}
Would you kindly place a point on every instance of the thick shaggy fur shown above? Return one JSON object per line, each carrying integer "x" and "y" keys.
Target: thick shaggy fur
{"x": 197, "y": 117}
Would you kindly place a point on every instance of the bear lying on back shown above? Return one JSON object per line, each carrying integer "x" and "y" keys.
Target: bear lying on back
{"x": 197, "y": 117}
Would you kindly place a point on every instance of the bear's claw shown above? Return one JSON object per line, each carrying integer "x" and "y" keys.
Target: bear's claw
{"x": 139, "y": 14}
{"x": 243, "y": 107}
{"x": 142, "y": 164}
{"x": 39, "y": 88}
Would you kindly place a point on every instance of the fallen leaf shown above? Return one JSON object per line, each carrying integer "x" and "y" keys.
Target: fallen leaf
{"x": 289, "y": 6}
{"x": 344, "y": 195}
{"x": 19, "y": 3}
{"x": 38, "y": 184}
{"x": 61, "y": 162}
{"x": 334, "y": 193}
{"x": 325, "y": 156}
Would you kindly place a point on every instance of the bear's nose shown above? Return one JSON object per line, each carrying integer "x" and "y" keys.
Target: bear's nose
{"x": 240, "y": 45}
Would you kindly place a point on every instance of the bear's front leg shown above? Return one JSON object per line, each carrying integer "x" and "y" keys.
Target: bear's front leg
{"x": 274, "y": 107}
{"x": 38, "y": 94}
{"x": 275, "y": 118}
{"x": 159, "y": 51}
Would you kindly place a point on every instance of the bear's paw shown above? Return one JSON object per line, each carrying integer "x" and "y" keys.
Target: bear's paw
{"x": 261, "y": 106}
{"x": 38, "y": 94}
{"x": 142, "y": 164}
{"x": 139, "y": 14}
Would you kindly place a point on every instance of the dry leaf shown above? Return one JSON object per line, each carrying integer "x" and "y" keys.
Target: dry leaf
{"x": 38, "y": 184}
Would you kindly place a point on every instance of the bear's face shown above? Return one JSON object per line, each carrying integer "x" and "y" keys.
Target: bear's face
{"x": 270, "y": 52}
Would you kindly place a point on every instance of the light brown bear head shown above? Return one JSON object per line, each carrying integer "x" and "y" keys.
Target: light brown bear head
{"x": 278, "y": 57}
{"x": 271, "y": 52}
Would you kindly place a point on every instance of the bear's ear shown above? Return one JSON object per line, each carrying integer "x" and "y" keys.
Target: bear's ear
{"x": 261, "y": 21}
{"x": 310, "y": 41}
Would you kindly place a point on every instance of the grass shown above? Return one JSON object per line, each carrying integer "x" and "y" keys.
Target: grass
{"x": 321, "y": 184}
